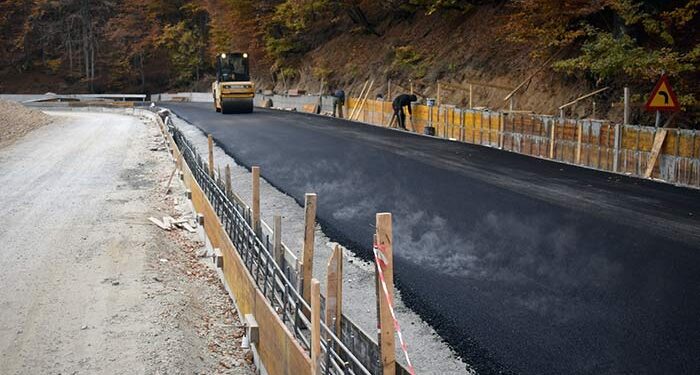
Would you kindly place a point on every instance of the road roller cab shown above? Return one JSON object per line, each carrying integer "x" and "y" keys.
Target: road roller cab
{"x": 233, "y": 90}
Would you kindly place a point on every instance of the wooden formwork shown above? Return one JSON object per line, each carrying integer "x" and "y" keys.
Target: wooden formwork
{"x": 280, "y": 353}
{"x": 589, "y": 143}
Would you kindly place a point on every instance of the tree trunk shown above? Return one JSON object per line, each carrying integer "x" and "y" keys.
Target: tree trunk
{"x": 143, "y": 76}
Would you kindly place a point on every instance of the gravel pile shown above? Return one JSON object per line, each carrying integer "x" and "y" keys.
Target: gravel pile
{"x": 17, "y": 120}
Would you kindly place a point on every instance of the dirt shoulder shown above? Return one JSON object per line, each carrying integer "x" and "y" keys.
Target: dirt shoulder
{"x": 89, "y": 285}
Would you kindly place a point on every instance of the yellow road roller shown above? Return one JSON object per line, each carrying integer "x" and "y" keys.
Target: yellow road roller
{"x": 233, "y": 90}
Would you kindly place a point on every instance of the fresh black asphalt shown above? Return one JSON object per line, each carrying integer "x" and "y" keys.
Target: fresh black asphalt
{"x": 522, "y": 265}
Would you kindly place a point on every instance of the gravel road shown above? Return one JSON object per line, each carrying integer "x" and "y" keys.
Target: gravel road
{"x": 88, "y": 284}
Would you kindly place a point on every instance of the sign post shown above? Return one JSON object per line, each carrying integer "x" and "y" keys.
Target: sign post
{"x": 662, "y": 98}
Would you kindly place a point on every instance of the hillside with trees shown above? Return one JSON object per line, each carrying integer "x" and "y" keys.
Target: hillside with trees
{"x": 156, "y": 45}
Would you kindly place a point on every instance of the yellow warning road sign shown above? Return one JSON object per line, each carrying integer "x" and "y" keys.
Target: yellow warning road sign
{"x": 662, "y": 97}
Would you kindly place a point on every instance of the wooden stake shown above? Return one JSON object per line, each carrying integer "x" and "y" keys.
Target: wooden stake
{"x": 256, "y": 199}
{"x": 308, "y": 249}
{"x": 386, "y": 323}
{"x": 170, "y": 180}
{"x": 362, "y": 92}
{"x": 334, "y": 293}
{"x": 579, "y": 131}
{"x": 364, "y": 100}
{"x": 470, "y": 97}
{"x": 277, "y": 239}
{"x": 228, "y": 180}
{"x": 551, "y": 140}
{"x": 211, "y": 155}
{"x": 315, "y": 327}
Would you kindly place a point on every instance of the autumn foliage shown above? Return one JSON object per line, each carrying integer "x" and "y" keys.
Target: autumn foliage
{"x": 154, "y": 45}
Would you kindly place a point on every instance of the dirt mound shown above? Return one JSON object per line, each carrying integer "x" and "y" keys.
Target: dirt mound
{"x": 17, "y": 120}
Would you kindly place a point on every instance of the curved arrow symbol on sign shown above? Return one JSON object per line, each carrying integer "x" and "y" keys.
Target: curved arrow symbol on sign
{"x": 665, "y": 95}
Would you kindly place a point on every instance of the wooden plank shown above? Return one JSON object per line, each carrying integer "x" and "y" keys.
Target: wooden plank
{"x": 355, "y": 106}
{"x": 655, "y": 149}
{"x": 308, "y": 249}
{"x": 387, "y": 346}
{"x": 579, "y": 131}
{"x": 256, "y": 198}
{"x": 364, "y": 100}
{"x": 279, "y": 351}
{"x": 210, "y": 142}
{"x": 159, "y": 223}
{"x": 334, "y": 290}
{"x": 315, "y": 327}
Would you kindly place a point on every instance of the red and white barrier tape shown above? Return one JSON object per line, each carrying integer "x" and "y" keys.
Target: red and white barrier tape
{"x": 381, "y": 262}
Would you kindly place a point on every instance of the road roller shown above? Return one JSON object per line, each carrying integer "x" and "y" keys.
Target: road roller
{"x": 233, "y": 90}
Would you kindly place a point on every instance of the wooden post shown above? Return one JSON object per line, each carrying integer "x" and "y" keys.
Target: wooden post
{"x": 470, "y": 96}
{"x": 211, "y": 155}
{"x": 626, "y": 115}
{"x": 411, "y": 81}
{"x": 616, "y": 148}
{"x": 315, "y": 327}
{"x": 501, "y": 129}
{"x": 256, "y": 199}
{"x": 308, "y": 249}
{"x": 579, "y": 130}
{"x": 551, "y": 140}
{"x": 334, "y": 293}
{"x": 386, "y": 323}
{"x": 277, "y": 239}
{"x": 228, "y": 180}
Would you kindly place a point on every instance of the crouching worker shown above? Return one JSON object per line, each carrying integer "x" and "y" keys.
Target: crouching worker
{"x": 338, "y": 103}
{"x": 398, "y": 104}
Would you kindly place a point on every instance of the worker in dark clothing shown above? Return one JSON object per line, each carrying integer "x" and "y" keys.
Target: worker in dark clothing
{"x": 338, "y": 102}
{"x": 398, "y": 104}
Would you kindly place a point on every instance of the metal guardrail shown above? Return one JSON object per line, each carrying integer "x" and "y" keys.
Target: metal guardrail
{"x": 256, "y": 252}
